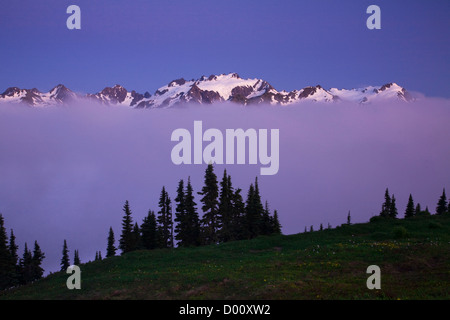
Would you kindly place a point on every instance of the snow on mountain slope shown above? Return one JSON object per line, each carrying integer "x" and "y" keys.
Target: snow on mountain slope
{"x": 58, "y": 95}
{"x": 207, "y": 90}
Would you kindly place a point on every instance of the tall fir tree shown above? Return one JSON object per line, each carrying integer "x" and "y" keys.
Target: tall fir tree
{"x": 393, "y": 210}
{"x": 36, "y": 262}
{"x": 26, "y": 265}
{"x": 76, "y": 258}
{"x": 238, "y": 216}
{"x": 13, "y": 247}
{"x": 258, "y": 205}
{"x": 210, "y": 193}
{"x": 442, "y": 204}
{"x": 410, "y": 209}
{"x": 149, "y": 231}
{"x": 136, "y": 235}
{"x": 126, "y": 242}
{"x": 110, "y": 248}
{"x": 7, "y": 265}
{"x": 276, "y": 226}
{"x": 251, "y": 218}
{"x": 225, "y": 209}
{"x": 192, "y": 234}
{"x": 65, "y": 261}
{"x": 181, "y": 227}
{"x": 418, "y": 210}
{"x": 266, "y": 225}
{"x": 165, "y": 223}
{"x": 349, "y": 218}
{"x": 386, "y": 207}
{"x": 254, "y": 211}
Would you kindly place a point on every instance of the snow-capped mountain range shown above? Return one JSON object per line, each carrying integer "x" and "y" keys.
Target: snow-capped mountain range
{"x": 207, "y": 90}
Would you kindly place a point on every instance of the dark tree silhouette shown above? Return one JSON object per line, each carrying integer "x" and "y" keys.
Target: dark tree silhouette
{"x": 7, "y": 264}
{"x": 165, "y": 223}
{"x": 210, "y": 193}
{"x": 36, "y": 262}
{"x": 410, "y": 210}
{"x": 442, "y": 204}
{"x": 126, "y": 242}
{"x": 149, "y": 231}
{"x": 111, "y": 249}
{"x": 65, "y": 262}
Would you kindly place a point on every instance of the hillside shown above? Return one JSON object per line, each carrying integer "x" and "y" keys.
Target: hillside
{"x": 328, "y": 264}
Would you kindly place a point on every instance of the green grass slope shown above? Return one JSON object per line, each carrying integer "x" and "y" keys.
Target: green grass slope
{"x": 413, "y": 255}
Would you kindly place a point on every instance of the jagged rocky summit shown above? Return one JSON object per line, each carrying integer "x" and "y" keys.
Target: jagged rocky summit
{"x": 207, "y": 90}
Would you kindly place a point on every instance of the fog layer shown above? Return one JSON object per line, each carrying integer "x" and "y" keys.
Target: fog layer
{"x": 66, "y": 172}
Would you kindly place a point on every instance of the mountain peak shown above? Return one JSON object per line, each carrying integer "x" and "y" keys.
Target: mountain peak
{"x": 206, "y": 90}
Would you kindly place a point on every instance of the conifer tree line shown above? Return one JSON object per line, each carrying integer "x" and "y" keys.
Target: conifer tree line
{"x": 389, "y": 207}
{"x": 14, "y": 270}
{"x": 221, "y": 215}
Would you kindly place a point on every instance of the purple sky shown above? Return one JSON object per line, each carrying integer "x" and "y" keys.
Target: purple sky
{"x": 66, "y": 173}
{"x": 144, "y": 45}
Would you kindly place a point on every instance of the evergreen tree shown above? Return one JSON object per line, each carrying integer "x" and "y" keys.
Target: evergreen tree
{"x": 311, "y": 229}
{"x": 181, "y": 227}
{"x": 442, "y": 204}
{"x": 238, "y": 221}
{"x": 96, "y": 256}
{"x": 225, "y": 209}
{"x": 276, "y": 226}
{"x": 149, "y": 231}
{"x": 386, "y": 207}
{"x": 393, "y": 210}
{"x": 410, "y": 210}
{"x": 266, "y": 223}
{"x": 7, "y": 265}
{"x": 136, "y": 236}
{"x": 100, "y": 255}
{"x": 111, "y": 249}
{"x": 36, "y": 262}
{"x": 13, "y": 248}
{"x": 65, "y": 262}
{"x": 349, "y": 218}
{"x": 259, "y": 206}
{"x": 321, "y": 227}
{"x": 165, "y": 224}
{"x": 210, "y": 193}
{"x": 427, "y": 212}
{"x": 254, "y": 211}
{"x": 26, "y": 265}
{"x": 126, "y": 242}
{"x": 192, "y": 234}
{"x": 418, "y": 210}
{"x": 76, "y": 258}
